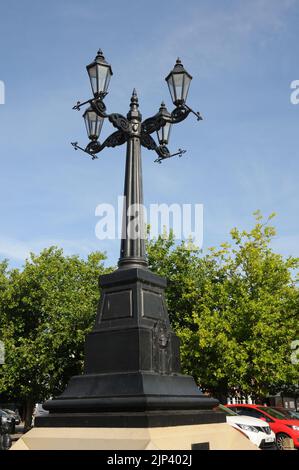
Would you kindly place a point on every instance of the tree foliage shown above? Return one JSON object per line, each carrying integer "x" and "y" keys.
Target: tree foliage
{"x": 46, "y": 311}
{"x": 235, "y": 309}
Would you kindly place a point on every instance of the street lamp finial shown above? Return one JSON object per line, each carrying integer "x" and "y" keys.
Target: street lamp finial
{"x": 134, "y": 98}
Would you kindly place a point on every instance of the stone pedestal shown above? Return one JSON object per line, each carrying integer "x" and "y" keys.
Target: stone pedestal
{"x": 132, "y": 372}
{"x": 132, "y": 394}
{"x": 212, "y": 436}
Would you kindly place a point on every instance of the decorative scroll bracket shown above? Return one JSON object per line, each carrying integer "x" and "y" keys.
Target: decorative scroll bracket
{"x": 164, "y": 153}
{"x": 124, "y": 126}
{"x": 94, "y": 147}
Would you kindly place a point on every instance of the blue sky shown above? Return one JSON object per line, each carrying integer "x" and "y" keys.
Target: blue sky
{"x": 244, "y": 156}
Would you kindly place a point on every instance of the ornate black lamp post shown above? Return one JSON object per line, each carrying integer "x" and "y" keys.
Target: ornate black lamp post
{"x": 135, "y": 133}
{"x": 132, "y": 372}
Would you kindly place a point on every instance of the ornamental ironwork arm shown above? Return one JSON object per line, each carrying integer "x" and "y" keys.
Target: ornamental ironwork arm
{"x": 100, "y": 73}
{"x": 162, "y": 150}
{"x": 154, "y": 124}
{"x": 94, "y": 147}
{"x": 164, "y": 153}
{"x": 118, "y": 121}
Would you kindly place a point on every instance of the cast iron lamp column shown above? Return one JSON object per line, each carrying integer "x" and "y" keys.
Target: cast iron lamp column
{"x": 132, "y": 375}
{"x": 132, "y": 251}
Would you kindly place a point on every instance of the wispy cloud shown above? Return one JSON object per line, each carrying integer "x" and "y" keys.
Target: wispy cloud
{"x": 19, "y": 250}
{"x": 217, "y": 37}
{"x": 287, "y": 245}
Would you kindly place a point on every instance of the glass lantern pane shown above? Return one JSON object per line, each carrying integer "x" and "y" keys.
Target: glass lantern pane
{"x": 93, "y": 124}
{"x": 102, "y": 71}
{"x": 92, "y": 72}
{"x": 163, "y": 134}
{"x": 160, "y": 135}
{"x": 171, "y": 88}
{"x": 166, "y": 132}
{"x": 86, "y": 120}
{"x": 178, "y": 79}
{"x": 107, "y": 81}
{"x": 187, "y": 81}
{"x": 99, "y": 126}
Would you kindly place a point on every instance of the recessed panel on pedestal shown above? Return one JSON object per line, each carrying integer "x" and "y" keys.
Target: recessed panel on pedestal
{"x": 152, "y": 304}
{"x": 117, "y": 305}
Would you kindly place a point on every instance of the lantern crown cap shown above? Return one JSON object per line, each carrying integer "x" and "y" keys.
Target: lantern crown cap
{"x": 100, "y": 60}
{"x": 88, "y": 110}
{"x": 100, "y": 57}
{"x": 178, "y": 68}
{"x": 163, "y": 109}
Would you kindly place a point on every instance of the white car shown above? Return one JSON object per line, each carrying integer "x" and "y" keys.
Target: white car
{"x": 257, "y": 430}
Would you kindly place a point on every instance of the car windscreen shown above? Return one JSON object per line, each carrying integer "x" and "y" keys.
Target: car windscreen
{"x": 226, "y": 410}
{"x": 274, "y": 413}
{"x": 288, "y": 414}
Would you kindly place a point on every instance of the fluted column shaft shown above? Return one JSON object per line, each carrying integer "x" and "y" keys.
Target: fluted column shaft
{"x": 132, "y": 251}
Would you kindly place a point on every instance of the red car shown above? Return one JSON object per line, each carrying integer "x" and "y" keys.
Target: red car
{"x": 282, "y": 426}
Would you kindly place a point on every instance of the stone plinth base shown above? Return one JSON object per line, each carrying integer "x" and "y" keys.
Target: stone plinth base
{"x": 220, "y": 436}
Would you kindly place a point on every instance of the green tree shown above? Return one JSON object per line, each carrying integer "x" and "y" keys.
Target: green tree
{"x": 235, "y": 311}
{"x": 46, "y": 311}
{"x": 184, "y": 270}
